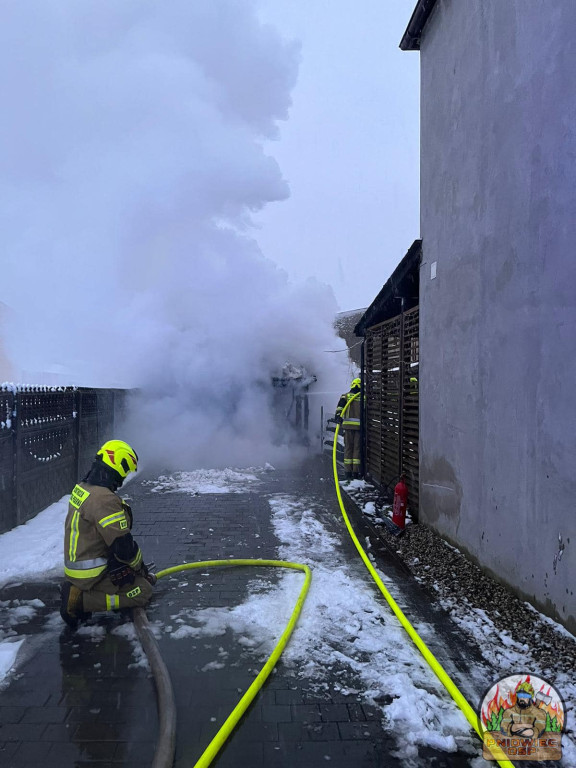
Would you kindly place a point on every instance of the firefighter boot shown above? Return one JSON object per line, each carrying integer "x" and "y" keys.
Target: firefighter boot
{"x": 347, "y": 477}
{"x": 71, "y": 605}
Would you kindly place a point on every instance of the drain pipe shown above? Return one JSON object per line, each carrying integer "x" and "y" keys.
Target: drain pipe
{"x": 165, "y": 748}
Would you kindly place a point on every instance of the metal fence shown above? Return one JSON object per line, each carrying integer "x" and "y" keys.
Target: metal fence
{"x": 48, "y": 439}
{"x": 391, "y": 387}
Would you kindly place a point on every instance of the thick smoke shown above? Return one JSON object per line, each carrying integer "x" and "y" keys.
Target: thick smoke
{"x": 131, "y": 160}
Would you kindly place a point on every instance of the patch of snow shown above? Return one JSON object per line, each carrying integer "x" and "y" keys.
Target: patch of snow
{"x": 212, "y": 665}
{"x": 95, "y": 632}
{"x": 8, "y": 651}
{"x": 35, "y": 548}
{"x": 357, "y": 485}
{"x": 128, "y": 631}
{"x": 14, "y": 612}
{"x": 370, "y": 509}
{"x": 202, "y": 481}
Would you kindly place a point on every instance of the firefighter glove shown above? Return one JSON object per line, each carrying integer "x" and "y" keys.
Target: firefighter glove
{"x": 122, "y": 575}
{"x": 150, "y": 577}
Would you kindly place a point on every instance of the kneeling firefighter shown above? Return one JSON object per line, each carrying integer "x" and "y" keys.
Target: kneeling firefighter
{"x": 102, "y": 562}
{"x": 351, "y": 426}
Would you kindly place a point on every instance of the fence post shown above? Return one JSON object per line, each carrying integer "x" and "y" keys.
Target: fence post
{"x": 401, "y": 392}
{"x": 14, "y": 449}
{"x": 17, "y": 455}
{"x": 77, "y": 427}
{"x": 7, "y": 461}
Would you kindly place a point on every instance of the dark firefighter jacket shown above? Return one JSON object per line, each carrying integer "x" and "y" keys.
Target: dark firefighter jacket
{"x": 97, "y": 530}
{"x": 351, "y": 419}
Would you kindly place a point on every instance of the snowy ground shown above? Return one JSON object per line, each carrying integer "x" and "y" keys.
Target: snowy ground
{"x": 510, "y": 634}
{"x": 344, "y": 626}
{"x": 208, "y": 481}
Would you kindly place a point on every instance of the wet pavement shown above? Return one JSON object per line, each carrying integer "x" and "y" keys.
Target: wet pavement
{"x": 85, "y": 698}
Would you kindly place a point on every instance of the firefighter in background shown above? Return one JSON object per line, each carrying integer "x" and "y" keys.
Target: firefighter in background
{"x": 351, "y": 426}
{"x": 102, "y": 562}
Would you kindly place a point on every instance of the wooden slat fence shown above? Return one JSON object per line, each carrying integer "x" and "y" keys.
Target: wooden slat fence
{"x": 391, "y": 387}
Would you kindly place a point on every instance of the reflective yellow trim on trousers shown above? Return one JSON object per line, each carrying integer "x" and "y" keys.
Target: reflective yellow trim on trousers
{"x": 112, "y": 602}
{"x": 77, "y": 573}
{"x": 117, "y": 517}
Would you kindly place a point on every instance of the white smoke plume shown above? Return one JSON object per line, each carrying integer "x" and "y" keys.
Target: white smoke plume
{"x": 131, "y": 159}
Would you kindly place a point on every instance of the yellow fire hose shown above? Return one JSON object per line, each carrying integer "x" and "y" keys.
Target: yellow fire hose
{"x": 433, "y": 662}
{"x": 218, "y": 741}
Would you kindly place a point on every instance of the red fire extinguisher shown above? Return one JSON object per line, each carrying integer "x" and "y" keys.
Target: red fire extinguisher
{"x": 400, "y": 503}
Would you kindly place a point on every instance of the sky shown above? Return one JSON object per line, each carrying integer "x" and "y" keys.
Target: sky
{"x": 350, "y": 148}
{"x": 190, "y": 192}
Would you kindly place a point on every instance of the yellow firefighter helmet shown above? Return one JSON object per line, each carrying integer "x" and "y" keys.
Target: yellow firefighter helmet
{"x": 120, "y": 456}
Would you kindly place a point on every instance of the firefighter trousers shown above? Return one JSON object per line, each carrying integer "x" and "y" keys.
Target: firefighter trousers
{"x": 352, "y": 450}
{"x": 105, "y": 596}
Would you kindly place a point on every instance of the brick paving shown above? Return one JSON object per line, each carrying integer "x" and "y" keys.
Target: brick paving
{"x": 82, "y": 701}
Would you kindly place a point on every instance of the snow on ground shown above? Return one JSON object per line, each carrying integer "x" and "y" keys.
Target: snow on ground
{"x": 35, "y": 548}
{"x": 207, "y": 481}
{"x": 13, "y": 613}
{"x": 128, "y": 631}
{"x": 344, "y": 629}
{"x": 345, "y": 626}
{"x": 29, "y": 551}
{"x": 507, "y": 655}
{"x": 497, "y": 646}
{"x": 8, "y": 652}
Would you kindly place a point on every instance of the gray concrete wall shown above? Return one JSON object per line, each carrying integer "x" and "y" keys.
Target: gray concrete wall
{"x": 498, "y": 322}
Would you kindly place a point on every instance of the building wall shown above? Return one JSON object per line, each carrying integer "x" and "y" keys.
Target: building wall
{"x": 498, "y": 322}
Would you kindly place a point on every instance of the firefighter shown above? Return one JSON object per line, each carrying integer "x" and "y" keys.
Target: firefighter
{"x": 351, "y": 426}
{"x": 524, "y": 720}
{"x": 102, "y": 562}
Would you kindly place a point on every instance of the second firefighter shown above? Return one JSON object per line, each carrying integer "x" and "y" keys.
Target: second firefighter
{"x": 351, "y": 425}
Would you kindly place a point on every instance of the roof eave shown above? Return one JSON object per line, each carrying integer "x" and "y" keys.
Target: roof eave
{"x": 410, "y": 262}
{"x": 413, "y": 34}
